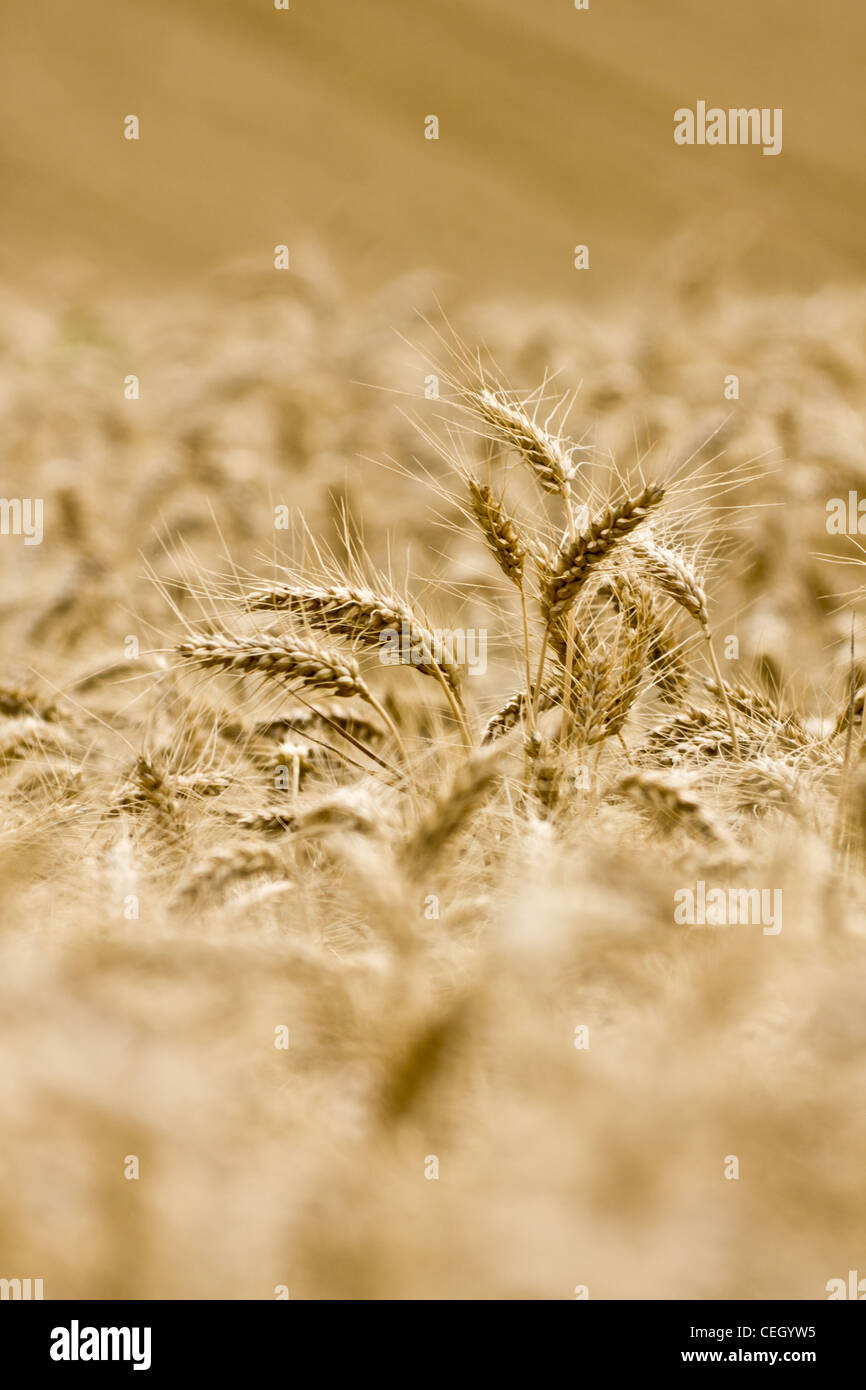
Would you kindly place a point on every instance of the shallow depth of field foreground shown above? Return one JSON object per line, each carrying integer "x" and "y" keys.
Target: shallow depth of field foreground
{"x": 528, "y": 961}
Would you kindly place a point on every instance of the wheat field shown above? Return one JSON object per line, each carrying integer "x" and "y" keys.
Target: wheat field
{"x": 356, "y": 970}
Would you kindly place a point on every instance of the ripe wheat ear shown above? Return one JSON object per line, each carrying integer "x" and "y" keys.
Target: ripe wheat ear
{"x": 364, "y": 616}
{"x": 287, "y": 659}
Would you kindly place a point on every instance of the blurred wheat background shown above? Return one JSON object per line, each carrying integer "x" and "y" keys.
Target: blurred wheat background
{"x": 414, "y": 1037}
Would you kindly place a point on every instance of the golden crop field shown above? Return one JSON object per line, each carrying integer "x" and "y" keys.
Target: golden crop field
{"x": 432, "y": 651}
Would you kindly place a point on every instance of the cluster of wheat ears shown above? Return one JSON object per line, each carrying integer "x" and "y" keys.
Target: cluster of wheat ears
{"x": 618, "y": 693}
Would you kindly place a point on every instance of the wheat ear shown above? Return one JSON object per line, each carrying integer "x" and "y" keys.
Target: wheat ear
{"x": 579, "y": 557}
{"x": 583, "y": 551}
{"x": 676, "y": 578}
{"x": 452, "y": 809}
{"x": 290, "y": 659}
{"x": 509, "y": 549}
{"x": 499, "y": 530}
{"x": 514, "y": 709}
{"x": 671, "y": 803}
{"x": 364, "y": 616}
{"x": 548, "y": 457}
{"x": 223, "y": 867}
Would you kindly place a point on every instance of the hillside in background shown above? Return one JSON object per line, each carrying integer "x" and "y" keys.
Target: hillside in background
{"x": 306, "y": 127}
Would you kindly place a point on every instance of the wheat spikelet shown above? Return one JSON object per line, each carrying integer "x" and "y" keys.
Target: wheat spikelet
{"x": 547, "y": 456}
{"x": 669, "y": 668}
{"x": 692, "y": 734}
{"x": 626, "y": 687}
{"x": 666, "y": 660}
{"x": 335, "y": 813}
{"x": 767, "y": 782}
{"x": 782, "y": 726}
{"x": 676, "y": 578}
{"x": 514, "y": 710}
{"x": 291, "y": 752}
{"x": 557, "y": 641}
{"x": 577, "y": 559}
{"x": 546, "y": 773}
{"x": 267, "y": 821}
{"x": 148, "y": 789}
{"x": 593, "y": 694}
{"x": 30, "y": 734}
{"x": 199, "y": 783}
{"x": 16, "y": 702}
{"x": 325, "y": 715}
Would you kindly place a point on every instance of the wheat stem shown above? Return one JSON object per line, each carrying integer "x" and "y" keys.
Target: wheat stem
{"x": 708, "y": 638}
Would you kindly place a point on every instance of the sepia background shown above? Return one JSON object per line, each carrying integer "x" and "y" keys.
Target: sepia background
{"x": 151, "y": 1036}
{"x": 262, "y": 127}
